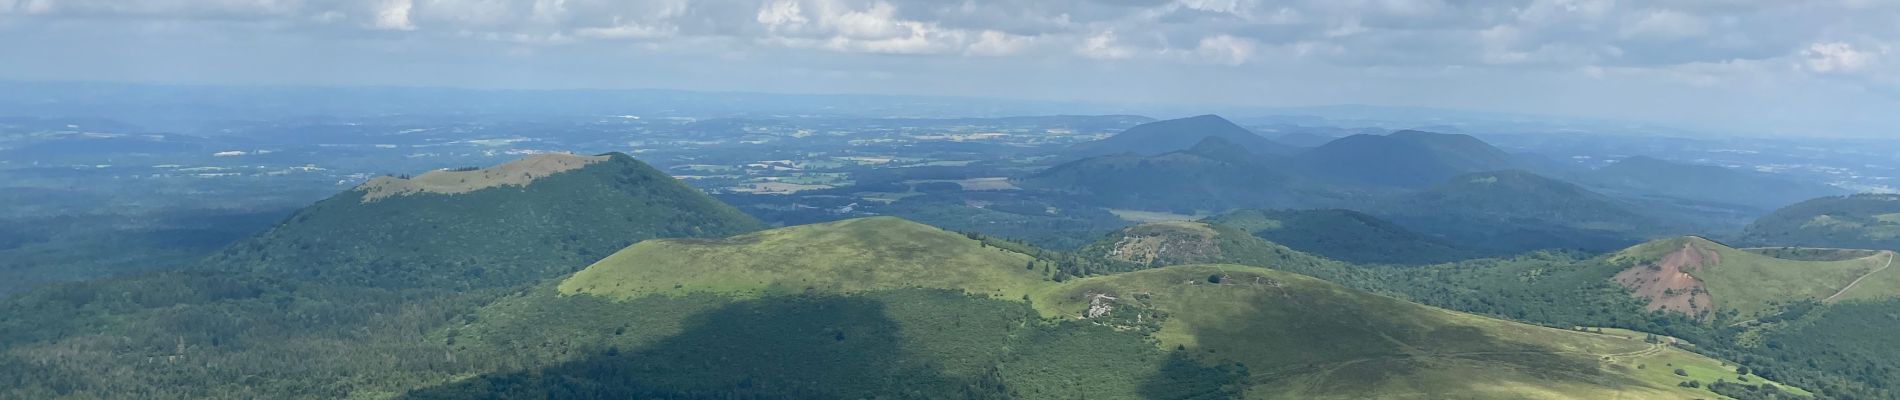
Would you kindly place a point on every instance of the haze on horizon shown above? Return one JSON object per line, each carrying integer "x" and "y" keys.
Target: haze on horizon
{"x": 1824, "y": 67}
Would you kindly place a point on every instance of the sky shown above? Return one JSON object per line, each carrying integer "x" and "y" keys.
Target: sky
{"x": 1783, "y": 67}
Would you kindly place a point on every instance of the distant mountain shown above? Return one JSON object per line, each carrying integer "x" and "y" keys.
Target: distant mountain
{"x": 1517, "y": 211}
{"x": 1702, "y": 278}
{"x": 1861, "y": 221}
{"x": 1160, "y": 137}
{"x": 1211, "y": 175}
{"x": 1404, "y": 159}
{"x": 532, "y": 218}
{"x": 1645, "y": 176}
{"x": 1344, "y": 235}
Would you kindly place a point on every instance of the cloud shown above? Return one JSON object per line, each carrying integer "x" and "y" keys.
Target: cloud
{"x": 1836, "y": 58}
{"x": 1103, "y": 46}
{"x": 997, "y": 44}
{"x": 1692, "y": 44}
{"x": 394, "y": 15}
{"x": 1226, "y": 49}
{"x": 1665, "y": 24}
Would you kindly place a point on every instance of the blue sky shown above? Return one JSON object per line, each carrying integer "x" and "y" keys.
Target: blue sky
{"x": 1795, "y": 67}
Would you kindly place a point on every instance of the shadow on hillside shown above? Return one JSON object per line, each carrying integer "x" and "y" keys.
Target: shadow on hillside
{"x": 1362, "y": 346}
{"x": 782, "y": 347}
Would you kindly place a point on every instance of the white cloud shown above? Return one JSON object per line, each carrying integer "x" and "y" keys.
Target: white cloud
{"x": 394, "y": 15}
{"x": 781, "y": 13}
{"x": 628, "y": 30}
{"x": 1102, "y": 46}
{"x": 996, "y": 44}
{"x": 1835, "y": 57}
{"x": 1665, "y": 24}
{"x": 876, "y": 22}
{"x": 1226, "y": 49}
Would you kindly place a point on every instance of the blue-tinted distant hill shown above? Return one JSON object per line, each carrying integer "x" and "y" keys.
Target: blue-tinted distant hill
{"x": 1510, "y": 211}
{"x": 1160, "y": 137}
{"x": 1212, "y": 175}
{"x": 1404, "y": 159}
{"x": 1645, "y": 176}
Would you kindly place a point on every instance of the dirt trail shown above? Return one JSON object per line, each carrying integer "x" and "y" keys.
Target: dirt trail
{"x": 1850, "y": 285}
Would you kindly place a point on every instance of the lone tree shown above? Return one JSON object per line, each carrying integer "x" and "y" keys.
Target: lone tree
{"x": 1215, "y": 278}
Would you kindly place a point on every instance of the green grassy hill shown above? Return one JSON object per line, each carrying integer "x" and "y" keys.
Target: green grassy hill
{"x": 1159, "y": 137}
{"x": 443, "y": 229}
{"x": 1862, "y": 221}
{"x": 1302, "y": 338}
{"x": 839, "y": 257}
{"x": 742, "y": 317}
{"x": 1344, "y": 235}
{"x": 1694, "y": 275}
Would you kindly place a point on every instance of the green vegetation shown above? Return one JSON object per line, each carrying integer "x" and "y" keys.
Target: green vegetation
{"x": 1045, "y": 222}
{"x": 499, "y": 236}
{"x": 37, "y": 251}
{"x": 838, "y": 257}
{"x": 1299, "y": 337}
{"x": 1343, "y": 235}
{"x": 336, "y": 301}
{"x": 1862, "y": 221}
{"x": 1745, "y": 285}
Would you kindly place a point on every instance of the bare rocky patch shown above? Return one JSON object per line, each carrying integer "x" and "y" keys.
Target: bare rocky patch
{"x": 513, "y": 173}
{"x": 1666, "y": 284}
{"x": 1168, "y": 243}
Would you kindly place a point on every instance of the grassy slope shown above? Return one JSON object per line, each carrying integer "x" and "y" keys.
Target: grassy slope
{"x": 1753, "y": 284}
{"x": 1299, "y": 337}
{"x": 1282, "y": 336}
{"x": 839, "y": 257}
{"x": 1343, "y": 235}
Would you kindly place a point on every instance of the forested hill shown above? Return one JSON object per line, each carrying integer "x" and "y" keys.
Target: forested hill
{"x": 1862, "y": 221}
{"x": 532, "y": 219}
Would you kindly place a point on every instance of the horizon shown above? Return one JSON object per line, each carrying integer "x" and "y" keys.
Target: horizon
{"x": 1795, "y": 70}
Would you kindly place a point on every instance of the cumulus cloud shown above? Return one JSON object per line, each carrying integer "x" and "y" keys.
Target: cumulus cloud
{"x": 1425, "y": 35}
{"x": 1665, "y": 24}
{"x": 1226, "y": 49}
{"x": 997, "y": 43}
{"x": 1835, "y": 58}
{"x": 1103, "y": 46}
{"x": 394, "y": 15}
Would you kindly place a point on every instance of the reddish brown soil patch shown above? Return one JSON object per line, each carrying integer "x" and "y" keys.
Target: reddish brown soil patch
{"x": 1666, "y": 283}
